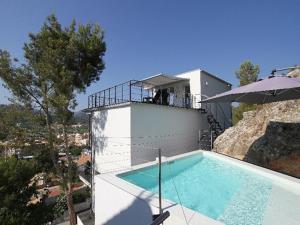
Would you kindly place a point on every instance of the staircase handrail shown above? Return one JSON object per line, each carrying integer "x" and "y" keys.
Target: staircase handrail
{"x": 218, "y": 106}
{"x": 227, "y": 120}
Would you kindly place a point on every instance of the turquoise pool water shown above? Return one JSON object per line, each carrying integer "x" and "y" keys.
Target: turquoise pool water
{"x": 212, "y": 187}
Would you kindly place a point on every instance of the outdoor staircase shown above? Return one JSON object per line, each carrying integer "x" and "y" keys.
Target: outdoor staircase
{"x": 214, "y": 125}
{"x": 215, "y": 129}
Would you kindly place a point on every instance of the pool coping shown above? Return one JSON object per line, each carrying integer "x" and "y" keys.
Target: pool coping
{"x": 175, "y": 209}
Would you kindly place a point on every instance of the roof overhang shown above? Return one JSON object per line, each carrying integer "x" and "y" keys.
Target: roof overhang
{"x": 158, "y": 80}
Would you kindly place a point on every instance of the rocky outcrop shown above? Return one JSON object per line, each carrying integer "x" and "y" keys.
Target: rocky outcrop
{"x": 268, "y": 136}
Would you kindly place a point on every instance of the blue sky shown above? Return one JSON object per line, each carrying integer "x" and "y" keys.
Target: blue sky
{"x": 148, "y": 37}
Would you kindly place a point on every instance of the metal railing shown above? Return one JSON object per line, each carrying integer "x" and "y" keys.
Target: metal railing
{"x": 218, "y": 112}
{"x": 218, "y": 119}
{"x": 136, "y": 91}
{"x": 125, "y": 92}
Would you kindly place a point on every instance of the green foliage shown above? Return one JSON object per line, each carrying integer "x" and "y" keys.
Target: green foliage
{"x": 16, "y": 190}
{"x": 75, "y": 150}
{"x": 43, "y": 160}
{"x": 247, "y": 73}
{"x": 60, "y": 206}
{"x": 81, "y": 196}
{"x": 79, "y": 130}
{"x": 68, "y": 174}
{"x": 59, "y": 61}
{"x": 3, "y": 135}
{"x": 237, "y": 112}
{"x": 19, "y": 124}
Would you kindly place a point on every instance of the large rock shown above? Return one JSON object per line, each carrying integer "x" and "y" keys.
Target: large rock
{"x": 281, "y": 139}
{"x": 268, "y": 136}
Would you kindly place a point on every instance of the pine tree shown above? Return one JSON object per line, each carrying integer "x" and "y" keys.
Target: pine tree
{"x": 247, "y": 73}
{"x": 59, "y": 63}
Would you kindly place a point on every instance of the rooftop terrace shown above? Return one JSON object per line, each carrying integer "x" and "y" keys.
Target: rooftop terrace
{"x": 151, "y": 91}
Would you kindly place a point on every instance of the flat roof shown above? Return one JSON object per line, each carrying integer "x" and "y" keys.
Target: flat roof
{"x": 207, "y": 73}
{"x": 158, "y": 80}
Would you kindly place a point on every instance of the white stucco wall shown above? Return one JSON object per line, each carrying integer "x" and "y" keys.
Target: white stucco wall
{"x": 195, "y": 84}
{"x": 126, "y": 136}
{"x": 174, "y": 130}
{"x": 111, "y": 138}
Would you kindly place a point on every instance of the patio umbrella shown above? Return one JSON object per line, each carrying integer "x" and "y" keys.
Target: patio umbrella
{"x": 270, "y": 89}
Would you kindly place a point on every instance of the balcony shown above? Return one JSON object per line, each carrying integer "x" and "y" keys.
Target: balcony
{"x": 160, "y": 93}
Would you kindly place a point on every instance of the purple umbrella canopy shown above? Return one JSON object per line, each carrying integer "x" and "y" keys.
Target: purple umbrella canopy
{"x": 270, "y": 89}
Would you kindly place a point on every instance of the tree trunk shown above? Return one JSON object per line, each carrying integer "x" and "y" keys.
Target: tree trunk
{"x": 69, "y": 193}
{"x": 50, "y": 138}
{"x": 70, "y": 205}
{"x": 50, "y": 132}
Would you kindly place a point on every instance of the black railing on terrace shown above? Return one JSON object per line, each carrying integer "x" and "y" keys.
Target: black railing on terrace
{"x": 125, "y": 92}
{"x": 138, "y": 91}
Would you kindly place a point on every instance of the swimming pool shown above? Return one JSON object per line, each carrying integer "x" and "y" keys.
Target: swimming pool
{"x": 221, "y": 190}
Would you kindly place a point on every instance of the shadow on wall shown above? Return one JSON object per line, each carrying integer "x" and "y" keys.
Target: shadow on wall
{"x": 99, "y": 123}
{"x": 138, "y": 213}
{"x": 280, "y": 141}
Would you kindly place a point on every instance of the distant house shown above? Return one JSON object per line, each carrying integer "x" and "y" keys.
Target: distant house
{"x": 76, "y": 139}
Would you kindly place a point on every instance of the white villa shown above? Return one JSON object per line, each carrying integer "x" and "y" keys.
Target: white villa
{"x": 131, "y": 120}
{"x": 150, "y": 164}
{"x": 161, "y": 111}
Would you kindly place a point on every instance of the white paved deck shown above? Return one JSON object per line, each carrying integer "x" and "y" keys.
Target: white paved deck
{"x": 283, "y": 208}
